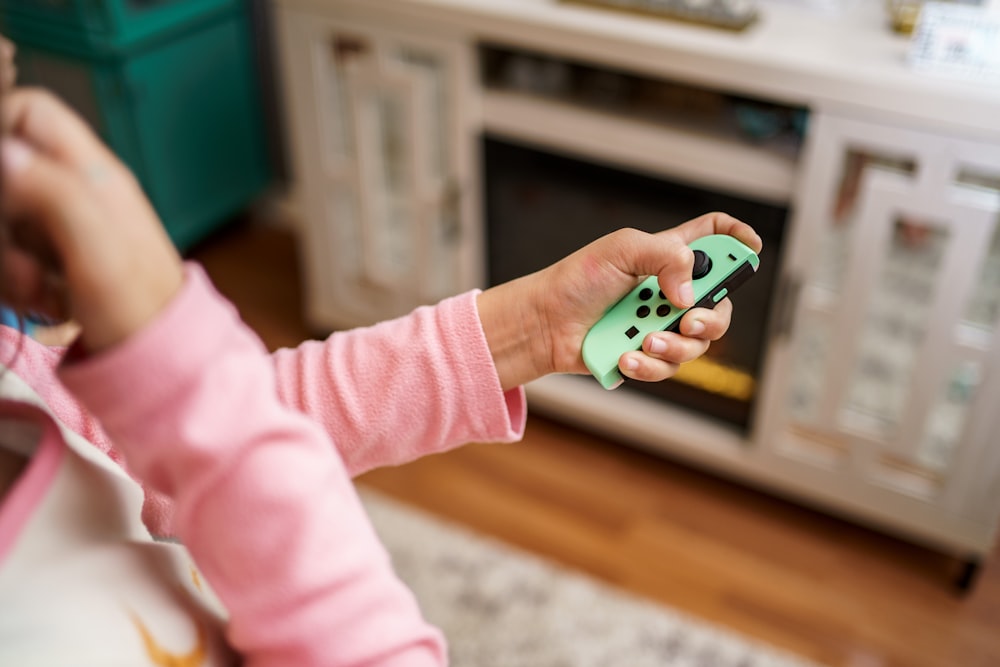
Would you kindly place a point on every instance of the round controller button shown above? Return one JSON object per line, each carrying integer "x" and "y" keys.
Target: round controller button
{"x": 643, "y": 311}
{"x": 663, "y": 310}
{"x": 702, "y": 264}
{"x": 645, "y": 294}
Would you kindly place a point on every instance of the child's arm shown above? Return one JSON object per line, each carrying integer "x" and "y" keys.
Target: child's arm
{"x": 450, "y": 374}
{"x": 262, "y": 501}
{"x": 393, "y": 392}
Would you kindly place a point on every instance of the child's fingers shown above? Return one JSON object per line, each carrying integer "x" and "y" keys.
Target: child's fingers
{"x": 675, "y": 275}
{"x": 77, "y": 210}
{"x": 673, "y": 348}
{"x": 717, "y": 223}
{"x": 708, "y": 323}
{"x": 661, "y": 355}
{"x": 663, "y": 352}
{"x": 42, "y": 120}
{"x": 639, "y": 254}
{"x": 41, "y": 197}
{"x": 645, "y": 368}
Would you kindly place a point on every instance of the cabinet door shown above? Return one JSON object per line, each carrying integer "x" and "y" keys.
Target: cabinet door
{"x": 383, "y": 157}
{"x": 887, "y": 376}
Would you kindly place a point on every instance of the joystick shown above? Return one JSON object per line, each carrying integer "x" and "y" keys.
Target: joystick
{"x": 702, "y": 264}
{"x": 721, "y": 264}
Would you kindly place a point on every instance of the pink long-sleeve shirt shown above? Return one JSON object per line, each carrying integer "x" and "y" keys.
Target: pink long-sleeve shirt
{"x": 250, "y": 458}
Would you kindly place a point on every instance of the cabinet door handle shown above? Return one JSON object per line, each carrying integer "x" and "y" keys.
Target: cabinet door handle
{"x": 451, "y": 207}
{"x": 786, "y": 304}
{"x": 346, "y": 48}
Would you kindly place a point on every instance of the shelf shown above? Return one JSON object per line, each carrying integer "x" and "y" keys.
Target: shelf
{"x": 717, "y": 160}
{"x": 632, "y": 417}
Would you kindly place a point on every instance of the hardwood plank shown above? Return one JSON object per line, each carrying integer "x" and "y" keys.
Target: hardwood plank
{"x": 801, "y": 580}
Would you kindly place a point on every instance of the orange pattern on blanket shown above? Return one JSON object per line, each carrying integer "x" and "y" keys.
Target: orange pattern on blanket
{"x": 163, "y": 658}
{"x": 196, "y": 579}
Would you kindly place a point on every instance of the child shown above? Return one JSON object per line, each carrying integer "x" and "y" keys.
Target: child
{"x": 248, "y": 457}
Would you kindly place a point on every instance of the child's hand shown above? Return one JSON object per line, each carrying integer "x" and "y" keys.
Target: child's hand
{"x": 536, "y": 325}
{"x": 80, "y": 235}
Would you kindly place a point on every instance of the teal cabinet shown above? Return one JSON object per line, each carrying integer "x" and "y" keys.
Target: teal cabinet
{"x": 104, "y": 26}
{"x": 184, "y": 112}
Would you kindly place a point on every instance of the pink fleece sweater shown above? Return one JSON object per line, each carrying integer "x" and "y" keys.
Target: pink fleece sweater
{"x": 252, "y": 454}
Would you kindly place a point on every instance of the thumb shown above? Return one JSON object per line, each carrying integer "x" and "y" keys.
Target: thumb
{"x": 663, "y": 255}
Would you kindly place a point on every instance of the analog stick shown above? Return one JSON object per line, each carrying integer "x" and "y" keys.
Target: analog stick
{"x": 702, "y": 264}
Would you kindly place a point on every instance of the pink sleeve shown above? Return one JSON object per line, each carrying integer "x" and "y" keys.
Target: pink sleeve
{"x": 262, "y": 500}
{"x": 404, "y": 388}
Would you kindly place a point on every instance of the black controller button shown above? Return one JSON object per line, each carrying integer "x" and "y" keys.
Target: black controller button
{"x": 645, "y": 294}
{"x": 702, "y": 264}
{"x": 643, "y": 311}
{"x": 662, "y": 295}
{"x": 663, "y": 310}
{"x": 632, "y": 331}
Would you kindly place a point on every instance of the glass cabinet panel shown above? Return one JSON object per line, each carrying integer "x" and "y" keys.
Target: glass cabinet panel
{"x": 814, "y": 336}
{"x": 430, "y": 73}
{"x": 335, "y": 61}
{"x": 430, "y": 70}
{"x": 344, "y": 227}
{"x": 897, "y": 313}
{"x": 389, "y": 131}
{"x": 983, "y": 309}
{"x": 832, "y": 260}
{"x": 893, "y": 329}
{"x": 947, "y": 420}
{"x": 392, "y": 216}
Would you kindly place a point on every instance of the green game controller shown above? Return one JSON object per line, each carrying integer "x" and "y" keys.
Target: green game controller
{"x": 721, "y": 264}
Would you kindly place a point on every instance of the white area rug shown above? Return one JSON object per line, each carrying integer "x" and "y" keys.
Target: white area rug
{"x": 501, "y": 607}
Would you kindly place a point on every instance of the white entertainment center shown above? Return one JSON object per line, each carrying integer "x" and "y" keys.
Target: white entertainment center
{"x": 877, "y": 395}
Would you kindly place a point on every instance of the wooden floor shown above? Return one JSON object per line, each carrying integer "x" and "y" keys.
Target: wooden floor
{"x": 825, "y": 589}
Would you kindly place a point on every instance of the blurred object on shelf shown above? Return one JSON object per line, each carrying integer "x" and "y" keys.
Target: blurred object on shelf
{"x": 822, "y": 7}
{"x": 763, "y": 121}
{"x": 957, "y": 41}
{"x": 777, "y": 127}
{"x": 727, "y": 14}
{"x": 904, "y": 14}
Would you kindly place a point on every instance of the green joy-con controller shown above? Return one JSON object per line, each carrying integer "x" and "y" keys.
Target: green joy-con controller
{"x": 721, "y": 264}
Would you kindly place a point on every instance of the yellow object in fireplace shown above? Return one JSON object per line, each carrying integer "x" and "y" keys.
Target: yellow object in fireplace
{"x": 705, "y": 373}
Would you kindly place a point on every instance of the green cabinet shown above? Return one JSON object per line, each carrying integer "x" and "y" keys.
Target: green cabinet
{"x": 107, "y": 25}
{"x": 182, "y": 110}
